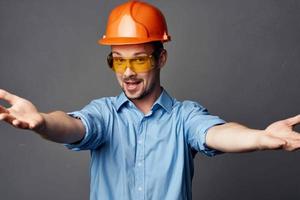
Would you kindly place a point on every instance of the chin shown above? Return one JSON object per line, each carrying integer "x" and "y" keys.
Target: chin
{"x": 134, "y": 96}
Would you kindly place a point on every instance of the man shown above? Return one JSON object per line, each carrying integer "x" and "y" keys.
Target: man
{"x": 143, "y": 141}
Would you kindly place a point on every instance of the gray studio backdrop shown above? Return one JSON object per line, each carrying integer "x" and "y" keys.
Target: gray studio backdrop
{"x": 240, "y": 59}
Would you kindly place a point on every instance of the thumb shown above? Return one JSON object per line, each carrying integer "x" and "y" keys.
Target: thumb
{"x": 293, "y": 120}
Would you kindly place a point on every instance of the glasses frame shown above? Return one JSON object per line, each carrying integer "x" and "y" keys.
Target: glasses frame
{"x": 155, "y": 54}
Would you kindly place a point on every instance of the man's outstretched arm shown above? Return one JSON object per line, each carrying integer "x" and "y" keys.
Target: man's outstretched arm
{"x": 55, "y": 126}
{"x": 233, "y": 137}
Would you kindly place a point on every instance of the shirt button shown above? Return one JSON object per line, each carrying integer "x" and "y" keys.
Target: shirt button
{"x": 139, "y": 164}
{"x": 140, "y": 188}
{"x": 140, "y": 141}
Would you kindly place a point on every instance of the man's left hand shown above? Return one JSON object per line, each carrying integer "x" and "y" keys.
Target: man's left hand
{"x": 283, "y": 130}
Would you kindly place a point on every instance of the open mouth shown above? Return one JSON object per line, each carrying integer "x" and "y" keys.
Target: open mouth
{"x": 132, "y": 85}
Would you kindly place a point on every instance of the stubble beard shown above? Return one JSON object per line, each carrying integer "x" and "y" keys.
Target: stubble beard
{"x": 141, "y": 96}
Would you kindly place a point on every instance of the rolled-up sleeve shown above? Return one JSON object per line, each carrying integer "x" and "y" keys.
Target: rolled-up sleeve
{"x": 94, "y": 123}
{"x": 197, "y": 122}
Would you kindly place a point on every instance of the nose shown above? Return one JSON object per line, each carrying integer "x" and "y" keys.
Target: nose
{"x": 128, "y": 72}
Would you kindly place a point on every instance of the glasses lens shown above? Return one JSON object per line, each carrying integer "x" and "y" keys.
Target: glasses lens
{"x": 119, "y": 64}
{"x": 139, "y": 64}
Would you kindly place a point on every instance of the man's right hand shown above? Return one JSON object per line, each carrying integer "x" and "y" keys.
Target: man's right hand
{"x": 55, "y": 126}
{"x": 22, "y": 113}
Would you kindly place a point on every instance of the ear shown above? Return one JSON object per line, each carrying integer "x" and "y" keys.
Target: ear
{"x": 162, "y": 58}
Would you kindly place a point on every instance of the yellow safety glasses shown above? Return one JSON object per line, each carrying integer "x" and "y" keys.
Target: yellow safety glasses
{"x": 138, "y": 64}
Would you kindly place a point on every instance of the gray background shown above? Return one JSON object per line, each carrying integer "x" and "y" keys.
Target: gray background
{"x": 240, "y": 59}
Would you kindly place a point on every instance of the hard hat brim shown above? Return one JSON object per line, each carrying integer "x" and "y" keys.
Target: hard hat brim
{"x": 124, "y": 41}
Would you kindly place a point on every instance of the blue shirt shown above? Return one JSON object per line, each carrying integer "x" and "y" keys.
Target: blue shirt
{"x": 136, "y": 156}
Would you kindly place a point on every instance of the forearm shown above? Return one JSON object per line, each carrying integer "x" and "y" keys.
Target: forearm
{"x": 59, "y": 127}
{"x": 233, "y": 137}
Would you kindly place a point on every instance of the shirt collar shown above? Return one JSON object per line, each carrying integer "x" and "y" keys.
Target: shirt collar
{"x": 121, "y": 100}
{"x": 164, "y": 100}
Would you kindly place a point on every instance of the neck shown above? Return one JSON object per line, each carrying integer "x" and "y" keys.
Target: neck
{"x": 147, "y": 102}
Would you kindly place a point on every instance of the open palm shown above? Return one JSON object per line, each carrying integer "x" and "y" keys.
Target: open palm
{"x": 284, "y": 130}
{"x": 22, "y": 113}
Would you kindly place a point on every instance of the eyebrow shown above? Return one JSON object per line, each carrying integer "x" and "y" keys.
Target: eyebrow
{"x": 135, "y": 54}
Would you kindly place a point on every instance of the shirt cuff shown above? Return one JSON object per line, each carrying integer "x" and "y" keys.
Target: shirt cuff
{"x": 204, "y": 148}
{"x": 77, "y": 146}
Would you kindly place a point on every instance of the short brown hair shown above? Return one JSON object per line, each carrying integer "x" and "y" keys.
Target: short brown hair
{"x": 158, "y": 48}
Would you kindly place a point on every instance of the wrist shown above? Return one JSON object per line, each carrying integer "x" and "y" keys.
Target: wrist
{"x": 261, "y": 140}
{"x": 266, "y": 141}
{"x": 40, "y": 126}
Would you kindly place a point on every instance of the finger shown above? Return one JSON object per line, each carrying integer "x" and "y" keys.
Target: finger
{"x": 24, "y": 125}
{"x": 293, "y": 120}
{"x": 3, "y": 109}
{"x": 3, "y": 116}
{"x": 292, "y": 145}
{"x": 292, "y": 135}
{"x": 10, "y": 98}
{"x": 15, "y": 122}
{"x": 20, "y": 124}
{"x": 295, "y": 135}
{"x": 7, "y": 117}
{"x": 32, "y": 125}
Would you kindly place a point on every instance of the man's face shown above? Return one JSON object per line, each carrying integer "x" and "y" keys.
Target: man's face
{"x": 136, "y": 85}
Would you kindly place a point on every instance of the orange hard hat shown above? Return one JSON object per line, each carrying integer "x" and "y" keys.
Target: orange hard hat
{"x": 135, "y": 22}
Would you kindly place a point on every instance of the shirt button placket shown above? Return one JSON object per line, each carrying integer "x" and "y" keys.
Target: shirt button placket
{"x": 140, "y": 176}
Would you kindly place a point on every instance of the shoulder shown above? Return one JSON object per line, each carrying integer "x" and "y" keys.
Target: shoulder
{"x": 188, "y": 106}
{"x": 191, "y": 105}
{"x": 103, "y": 104}
{"x": 104, "y": 101}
